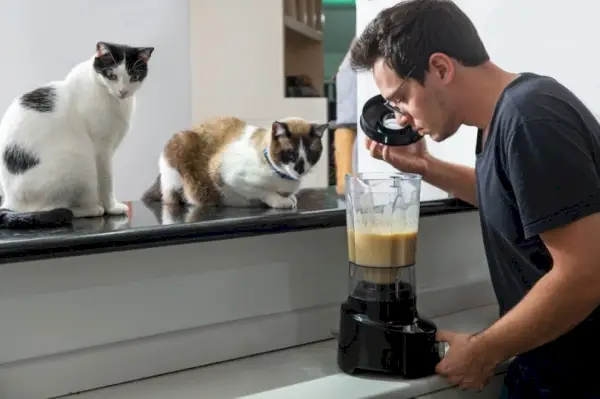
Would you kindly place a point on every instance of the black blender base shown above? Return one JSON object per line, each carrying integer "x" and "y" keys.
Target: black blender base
{"x": 365, "y": 345}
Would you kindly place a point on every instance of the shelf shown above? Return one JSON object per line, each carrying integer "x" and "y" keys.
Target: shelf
{"x": 302, "y": 29}
{"x": 303, "y": 48}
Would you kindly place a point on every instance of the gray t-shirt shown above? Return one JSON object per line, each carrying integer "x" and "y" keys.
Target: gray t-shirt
{"x": 538, "y": 169}
{"x": 345, "y": 84}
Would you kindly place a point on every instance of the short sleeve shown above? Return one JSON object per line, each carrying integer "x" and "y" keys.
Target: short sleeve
{"x": 553, "y": 174}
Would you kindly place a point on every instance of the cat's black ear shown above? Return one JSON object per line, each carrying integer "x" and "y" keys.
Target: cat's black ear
{"x": 279, "y": 129}
{"x": 319, "y": 129}
{"x": 145, "y": 53}
{"x": 102, "y": 48}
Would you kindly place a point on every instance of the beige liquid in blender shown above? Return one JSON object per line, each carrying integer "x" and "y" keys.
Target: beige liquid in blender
{"x": 381, "y": 255}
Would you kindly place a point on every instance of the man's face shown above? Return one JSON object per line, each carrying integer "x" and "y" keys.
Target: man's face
{"x": 426, "y": 108}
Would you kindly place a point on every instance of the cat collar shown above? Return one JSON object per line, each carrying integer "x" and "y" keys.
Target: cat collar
{"x": 279, "y": 172}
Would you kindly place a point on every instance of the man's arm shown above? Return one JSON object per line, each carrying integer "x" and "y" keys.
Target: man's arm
{"x": 560, "y": 300}
{"x": 557, "y": 190}
{"x": 458, "y": 180}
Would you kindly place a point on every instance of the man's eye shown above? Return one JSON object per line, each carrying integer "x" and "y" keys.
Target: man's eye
{"x": 397, "y": 101}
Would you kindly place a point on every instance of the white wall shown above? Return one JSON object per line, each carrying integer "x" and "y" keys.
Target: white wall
{"x": 561, "y": 44}
{"x": 43, "y": 40}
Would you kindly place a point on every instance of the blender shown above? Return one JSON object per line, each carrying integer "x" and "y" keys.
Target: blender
{"x": 380, "y": 329}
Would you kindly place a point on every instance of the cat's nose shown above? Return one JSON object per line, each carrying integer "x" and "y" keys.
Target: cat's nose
{"x": 299, "y": 167}
{"x": 123, "y": 93}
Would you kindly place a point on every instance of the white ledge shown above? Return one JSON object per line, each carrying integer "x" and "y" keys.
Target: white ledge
{"x": 308, "y": 371}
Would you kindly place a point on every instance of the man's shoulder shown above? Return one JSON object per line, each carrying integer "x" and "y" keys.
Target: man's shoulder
{"x": 531, "y": 99}
{"x": 535, "y": 97}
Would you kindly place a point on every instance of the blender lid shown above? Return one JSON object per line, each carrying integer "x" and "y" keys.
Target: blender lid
{"x": 379, "y": 124}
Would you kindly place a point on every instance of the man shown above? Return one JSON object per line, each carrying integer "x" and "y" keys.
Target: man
{"x": 345, "y": 130}
{"x": 536, "y": 184}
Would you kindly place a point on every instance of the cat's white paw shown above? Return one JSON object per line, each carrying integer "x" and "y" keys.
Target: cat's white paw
{"x": 294, "y": 201}
{"x": 280, "y": 202}
{"x": 91, "y": 212}
{"x": 117, "y": 208}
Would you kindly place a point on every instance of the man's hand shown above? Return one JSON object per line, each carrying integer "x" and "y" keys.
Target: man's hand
{"x": 467, "y": 363}
{"x": 457, "y": 180}
{"x": 409, "y": 159}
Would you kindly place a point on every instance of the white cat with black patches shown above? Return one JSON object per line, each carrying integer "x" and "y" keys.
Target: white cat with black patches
{"x": 57, "y": 142}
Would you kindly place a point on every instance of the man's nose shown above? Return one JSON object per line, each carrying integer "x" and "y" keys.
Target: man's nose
{"x": 403, "y": 119}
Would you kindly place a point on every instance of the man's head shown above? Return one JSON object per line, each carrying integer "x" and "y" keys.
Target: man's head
{"x": 419, "y": 51}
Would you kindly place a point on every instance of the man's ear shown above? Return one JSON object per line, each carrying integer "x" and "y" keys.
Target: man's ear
{"x": 442, "y": 66}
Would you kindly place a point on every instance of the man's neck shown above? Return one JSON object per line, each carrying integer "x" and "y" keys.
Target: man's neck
{"x": 485, "y": 85}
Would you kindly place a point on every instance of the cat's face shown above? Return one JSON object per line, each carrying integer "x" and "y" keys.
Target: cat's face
{"x": 296, "y": 145}
{"x": 121, "y": 68}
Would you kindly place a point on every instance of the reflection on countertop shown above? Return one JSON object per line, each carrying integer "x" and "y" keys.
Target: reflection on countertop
{"x": 152, "y": 224}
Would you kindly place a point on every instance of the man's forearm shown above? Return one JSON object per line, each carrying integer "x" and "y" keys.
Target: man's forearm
{"x": 458, "y": 180}
{"x": 554, "y": 305}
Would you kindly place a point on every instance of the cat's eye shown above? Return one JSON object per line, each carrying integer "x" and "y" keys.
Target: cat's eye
{"x": 111, "y": 76}
{"x": 135, "y": 78}
{"x": 288, "y": 156}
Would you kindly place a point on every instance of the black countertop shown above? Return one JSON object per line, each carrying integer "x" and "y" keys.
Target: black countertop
{"x": 152, "y": 225}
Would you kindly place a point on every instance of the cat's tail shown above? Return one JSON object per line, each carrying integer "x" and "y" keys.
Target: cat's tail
{"x": 59, "y": 217}
{"x": 154, "y": 193}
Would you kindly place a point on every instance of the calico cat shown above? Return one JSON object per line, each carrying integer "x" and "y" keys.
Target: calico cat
{"x": 226, "y": 161}
{"x": 57, "y": 141}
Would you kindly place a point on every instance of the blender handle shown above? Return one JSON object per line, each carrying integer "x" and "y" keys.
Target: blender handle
{"x": 442, "y": 348}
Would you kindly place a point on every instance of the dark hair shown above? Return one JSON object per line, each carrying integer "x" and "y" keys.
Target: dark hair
{"x": 406, "y": 34}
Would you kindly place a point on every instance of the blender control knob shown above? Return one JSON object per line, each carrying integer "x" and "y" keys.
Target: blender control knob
{"x": 443, "y": 348}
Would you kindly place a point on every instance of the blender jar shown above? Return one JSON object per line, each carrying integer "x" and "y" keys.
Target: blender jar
{"x": 382, "y": 216}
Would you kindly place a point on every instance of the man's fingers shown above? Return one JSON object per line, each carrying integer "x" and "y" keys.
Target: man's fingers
{"x": 375, "y": 149}
{"x": 471, "y": 385}
{"x": 371, "y": 145}
{"x": 385, "y": 153}
{"x": 445, "y": 336}
{"x": 440, "y": 368}
{"x": 378, "y": 151}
